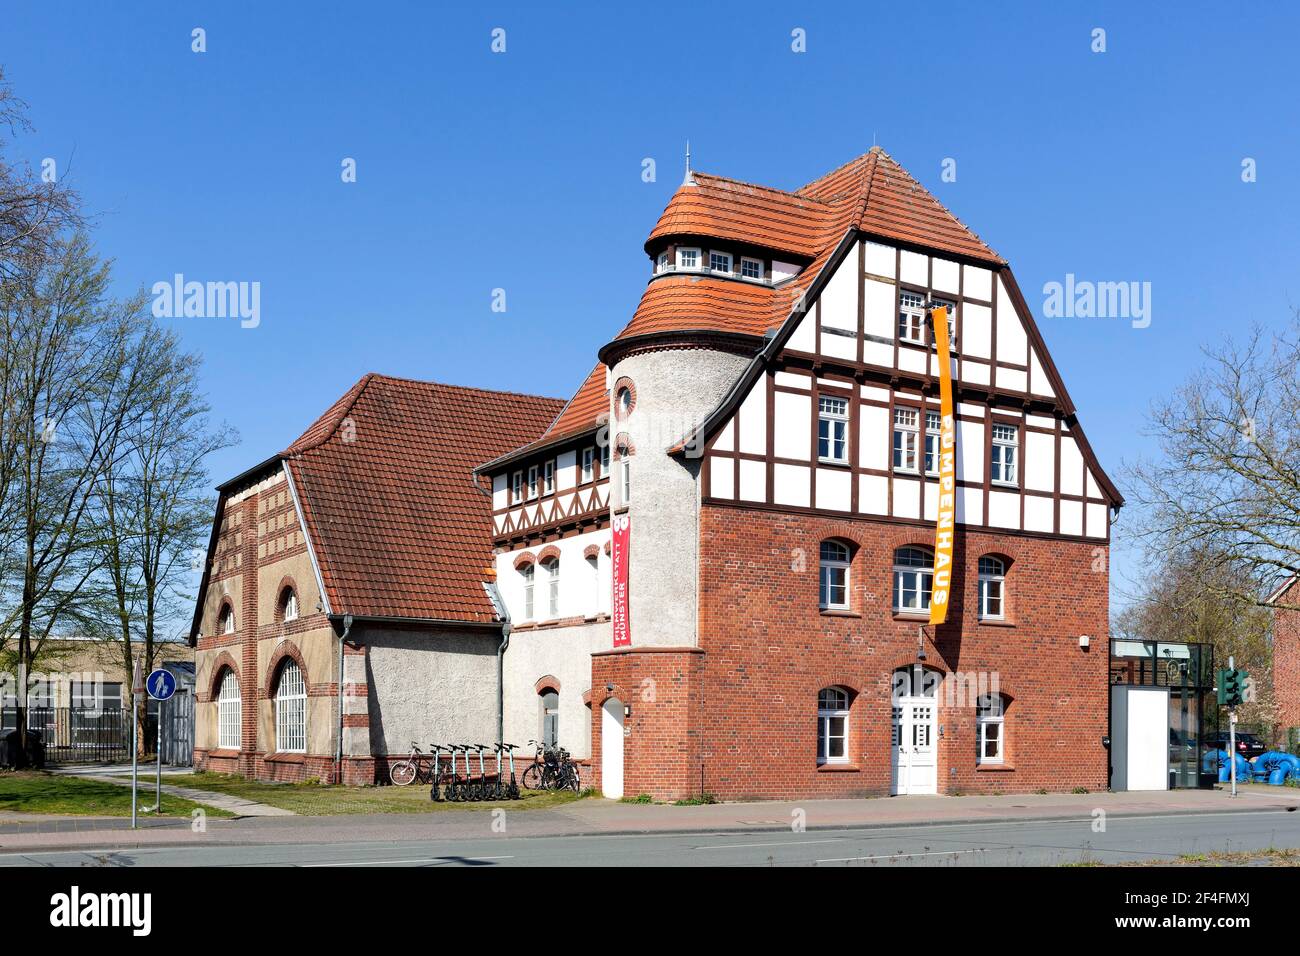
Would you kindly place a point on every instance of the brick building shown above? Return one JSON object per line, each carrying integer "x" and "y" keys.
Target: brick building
{"x": 1286, "y": 660}
{"x": 717, "y": 556}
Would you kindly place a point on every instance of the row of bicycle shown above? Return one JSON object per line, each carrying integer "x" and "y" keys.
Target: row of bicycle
{"x": 461, "y": 772}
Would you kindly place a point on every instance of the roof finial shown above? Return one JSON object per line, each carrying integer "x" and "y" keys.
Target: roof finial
{"x": 688, "y": 180}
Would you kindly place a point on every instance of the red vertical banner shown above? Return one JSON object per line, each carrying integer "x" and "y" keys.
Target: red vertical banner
{"x": 622, "y": 535}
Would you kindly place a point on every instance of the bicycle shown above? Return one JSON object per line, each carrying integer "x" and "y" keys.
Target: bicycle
{"x": 413, "y": 768}
{"x": 552, "y": 769}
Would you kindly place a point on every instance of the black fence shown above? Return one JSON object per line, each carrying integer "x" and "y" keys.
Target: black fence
{"x": 77, "y": 735}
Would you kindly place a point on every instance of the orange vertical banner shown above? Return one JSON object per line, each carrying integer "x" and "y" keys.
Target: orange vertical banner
{"x": 947, "y": 511}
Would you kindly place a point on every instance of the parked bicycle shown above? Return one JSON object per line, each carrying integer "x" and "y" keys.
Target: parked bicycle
{"x": 414, "y": 768}
{"x": 552, "y": 769}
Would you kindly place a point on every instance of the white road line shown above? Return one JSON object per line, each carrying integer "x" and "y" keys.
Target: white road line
{"x": 897, "y": 856}
{"x": 747, "y": 846}
{"x": 433, "y": 859}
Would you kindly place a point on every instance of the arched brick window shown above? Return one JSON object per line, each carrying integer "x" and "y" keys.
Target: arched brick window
{"x": 833, "y": 725}
{"x": 288, "y": 604}
{"x": 833, "y": 575}
{"x": 913, "y": 579}
{"x": 993, "y": 587}
{"x": 229, "y": 711}
{"x": 991, "y": 728}
{"x": 226, "y": 619}
{"x": 290, "y": 709}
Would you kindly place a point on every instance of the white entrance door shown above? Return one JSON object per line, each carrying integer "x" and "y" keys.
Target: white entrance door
{"x": 914, "y": 763}
{"x": 611, "y": 749}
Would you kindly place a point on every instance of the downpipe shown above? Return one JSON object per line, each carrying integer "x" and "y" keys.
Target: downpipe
{"x": 338, "y": 756}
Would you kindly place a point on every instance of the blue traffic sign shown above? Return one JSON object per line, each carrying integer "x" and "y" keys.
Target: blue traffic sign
{"x": 161, "y": 684}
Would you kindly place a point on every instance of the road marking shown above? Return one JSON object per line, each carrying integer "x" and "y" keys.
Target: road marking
{"x": 434, "y": 859}
{"x": 896, "y": 856}
{"x": 748, "y": 846}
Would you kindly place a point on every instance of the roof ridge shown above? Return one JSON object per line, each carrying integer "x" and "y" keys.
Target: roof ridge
{"x": 463, "y": 388}
{"x": 331, "y": 420}
{"x": 792, "y": 194}
{"x": 827, "y": 175}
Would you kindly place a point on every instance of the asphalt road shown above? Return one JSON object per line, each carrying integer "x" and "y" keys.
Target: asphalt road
{"x": 1029, "y": 843}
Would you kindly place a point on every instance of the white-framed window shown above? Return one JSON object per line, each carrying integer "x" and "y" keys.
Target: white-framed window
{"x": 625, "y": 480}
{"x": 549, "y": 699}
{"x": 720, "y": 262}
{"x": 1002, "y": 460}
{"x": 952, "y": 323}
{"x": 604, "y": 459}
{"x": 906, "y": 434}
{"x": 661, "y": 263}
{"x": 833, "y": 429}
{"x": 933, "y": 438}
{"x": 548, "y": 478}
{"x": 833, "y": 569}
{"x": 517, "y": 487}
{"x": 588, "y": 463}
{"x": 291, "y": 710}
{"x": 593, "y": 575}
{"x": 288, "y": 605}
{"x": 990, "y": 729}
{"x": 751, "y": 268}
{"x": 552, "y": 588}
{"x": 532, "y": 481}
{"x": 226, "y": 623}
{"x": 527, "y": 573}
{"x": 913, "y": 579}
{"x": 993, "y": 580}
{"x": 229, "y": 712}
{"x": 688, "y": 259}
{"x": 832, "y": 725}
{"x": 911, "y": 317}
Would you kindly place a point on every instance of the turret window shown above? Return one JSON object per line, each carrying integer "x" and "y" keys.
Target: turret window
{"x": 751, "y": 269}
{"x": 688, "y": 259}
{"x": 720, "y": 262}
{"x": 661, "y": 264}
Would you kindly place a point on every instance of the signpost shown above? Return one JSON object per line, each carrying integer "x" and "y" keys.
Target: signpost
{"x": 137, "y": 688}
{"x": 161, "y": 685}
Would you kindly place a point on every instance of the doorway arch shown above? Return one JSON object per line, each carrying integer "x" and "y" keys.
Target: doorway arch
{"x": 914, "y": 757}
{"x": 611, "y": 749}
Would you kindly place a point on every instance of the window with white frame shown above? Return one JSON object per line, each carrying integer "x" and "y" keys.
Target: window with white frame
{"x": 661, "y": 263}
{"x": 229, "y": 712}
{"x": 517, "y": 487}
{"x": 588, "y": 463}
{"x": 751, "y": 268}
{"x": 832, "y": 725}
{"x": 952, "y": 322}
{"x": 905, "y": 437}
{"x": 688, "y": 259}
{"x": 593, "y": 575}
{"x": 604, "y": 459}
{"x": 720, "y": 262}
{"x": 288, "y": 605}
{"x": 552, "y": 588}
{"x": 1002, "y": 460}
{"x": 548, "y": 478}
{"x": 993, "y": 579}
{"x": 833, "y": 429}
{"x": 834, "y": 574}
{"x": 625, "y": 481}
{"x": 911, "y": 317}
{"x": 532, "y": 481}
{"x": 291, "y": 710}
{"x": 226, "y": 623}
{"x": 913, "y": 579}
{"x": 933, "y": 437}
{"x": 990, "y": 728}
{"x": 529, "y": 579}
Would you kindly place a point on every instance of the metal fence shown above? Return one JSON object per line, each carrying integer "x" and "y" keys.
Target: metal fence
{"x": 73, "y": 735}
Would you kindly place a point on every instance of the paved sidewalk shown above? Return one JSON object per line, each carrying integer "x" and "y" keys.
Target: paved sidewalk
{"x": 596, "y": 817}
{"x": 236, "y": 805}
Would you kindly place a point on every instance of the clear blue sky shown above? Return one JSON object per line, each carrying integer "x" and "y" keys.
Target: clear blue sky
{"x": 522, "y": 170}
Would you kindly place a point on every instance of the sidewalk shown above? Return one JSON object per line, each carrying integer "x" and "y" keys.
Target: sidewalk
{"x": 596, "y": 817}
{"x": 113, "y": 774}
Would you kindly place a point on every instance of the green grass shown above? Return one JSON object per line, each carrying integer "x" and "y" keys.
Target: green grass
{"x": 327, "y": 800}
{"x": 36, "y": 792}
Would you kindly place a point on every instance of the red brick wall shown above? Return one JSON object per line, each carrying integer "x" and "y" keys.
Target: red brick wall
{"x": 1286, "y": 664}
{"x": 768, "y": 650}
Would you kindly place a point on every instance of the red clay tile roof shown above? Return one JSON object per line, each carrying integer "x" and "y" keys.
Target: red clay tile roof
{"x": 684, "y": 302}
{"x": 398, "y": 526}
{"x": 588, "y": 407}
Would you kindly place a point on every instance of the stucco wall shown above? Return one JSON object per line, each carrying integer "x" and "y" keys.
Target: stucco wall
{"x": 675, "y": 389}
{"x": 430, "y": 686}
{"x": 565, "y": 654}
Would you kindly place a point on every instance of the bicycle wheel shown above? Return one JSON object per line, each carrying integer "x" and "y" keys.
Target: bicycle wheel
{"x": 402, "y": 773}
{"x": 575, "y": 778}
{"x": 532, "y": 778}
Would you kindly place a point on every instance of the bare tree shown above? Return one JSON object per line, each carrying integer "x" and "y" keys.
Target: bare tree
{"x": 1227, "y": 486}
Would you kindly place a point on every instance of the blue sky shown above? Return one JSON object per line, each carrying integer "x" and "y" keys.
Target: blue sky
{"x": 522, "y": 170}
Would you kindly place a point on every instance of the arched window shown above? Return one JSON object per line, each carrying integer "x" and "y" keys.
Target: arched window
{"x": 990, "y": 728}
{"x": 226, "y": 620}
{"x": 834, "y": 571}
{"x": 913, "y": 579}
{"x": 288, "y": 604}
{"x": 593, "y": 572}
{"x": 993, "y": 578}
{"x": 552, "y": 588}
{"x": 833, "y": 725}
{"x": 229, "y": 715}
{"x": 549, "y": 699}
{"x": 527, "y": 573}
{"x": 291, "y": 710}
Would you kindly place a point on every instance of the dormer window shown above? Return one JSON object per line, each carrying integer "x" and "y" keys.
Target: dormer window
{"x": 661, "y": 263}
{"x": 688, "y": 259}
{"x": 517, "y": 487}
{"x": 751, "y": 269}
{"x": 588, "y": 464}
{"x": 720, "y": 262}
{"x": 548, "y": 478}
{"x": 532, "y": 481}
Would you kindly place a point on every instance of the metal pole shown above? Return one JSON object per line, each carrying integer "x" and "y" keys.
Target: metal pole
{"x": 157, "y": 805}
{"x": 135, "y": 755}
{"x": 1232, "y": 737}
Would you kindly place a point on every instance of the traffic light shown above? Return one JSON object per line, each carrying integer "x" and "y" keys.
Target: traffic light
{"x": 1231, "y": 687}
